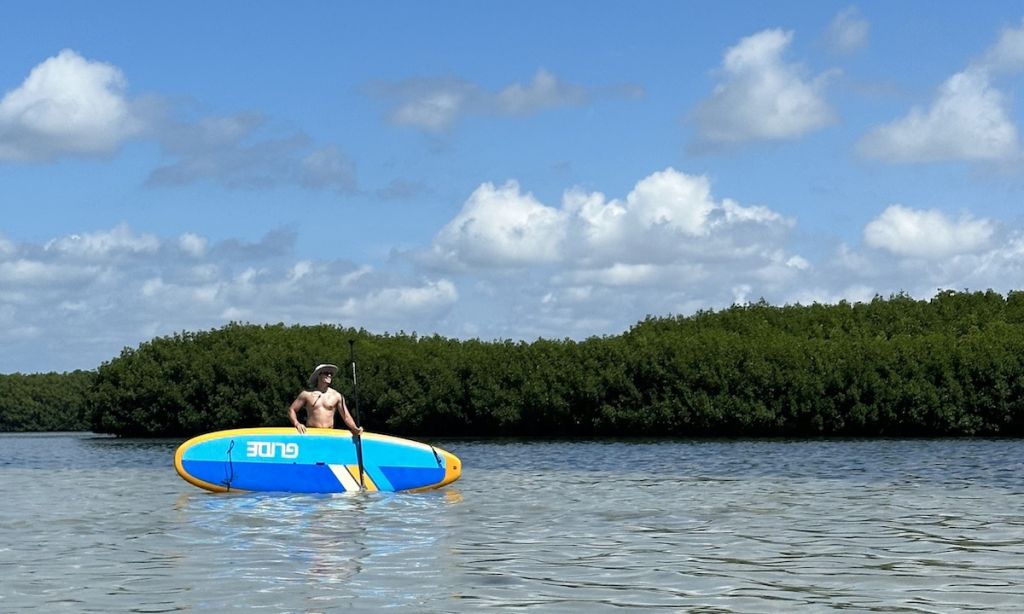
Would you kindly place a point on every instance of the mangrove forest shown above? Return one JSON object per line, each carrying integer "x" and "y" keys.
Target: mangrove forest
{"x": 949, "y": 366}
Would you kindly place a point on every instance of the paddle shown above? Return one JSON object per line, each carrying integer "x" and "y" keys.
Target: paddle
{"x": 355, "y": 398}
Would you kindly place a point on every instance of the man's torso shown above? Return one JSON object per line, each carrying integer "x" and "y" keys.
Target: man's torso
{"x": 320, "y": 408}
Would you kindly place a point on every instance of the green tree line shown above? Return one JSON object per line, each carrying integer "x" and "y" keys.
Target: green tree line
{"x": 44, "y": 401}
{"x": 949, "y": 366}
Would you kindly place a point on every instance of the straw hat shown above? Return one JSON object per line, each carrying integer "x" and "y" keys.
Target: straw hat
{"x": 315, "y": 378}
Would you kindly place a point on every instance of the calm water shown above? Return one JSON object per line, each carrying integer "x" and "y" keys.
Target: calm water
{"x": 94, "y": 524}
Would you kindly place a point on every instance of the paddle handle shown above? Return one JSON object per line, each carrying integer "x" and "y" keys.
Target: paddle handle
{"x": 355, "y": 403}
{"x": 355, "y": 382}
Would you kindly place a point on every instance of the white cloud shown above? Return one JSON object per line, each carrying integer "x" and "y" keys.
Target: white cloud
{"x": 94, "y": 293}
{"x": 7, "y": 248}
{"x": 798, "y": 262}
{"x": 601, "y": 223}
{"x": 299, "y": 270}
{"x": 968, "y": 120}
{"x": 192, "y": 244}
{"x": 545, "y": 91}
{"x": 599, "y": 263}
{"x": 927, "y": 234}
{"x": 398, "y": 303}
{"x": 740, "y": 294}
{"x": 667, "y": 217}
{"x": 762, "y": 97}
{"x": 506, "y": 265}
{"x": 437, "y": 104}
{"x": 152, "y": 287}
{"x": 502, "y": 227}
{"x": 72, "y": 106}
{"x": 669, "y": 246}
{"x": 432, "y": 105}
{"x": 206, "y": 293}
{"x": 1007, "y": 55}
{"x": 618, "y": 274}
{"x": 673, "y": 200}
{"x": 103, "y": 244}
{"x": 68, "y": 105}
{"x": 348, "y": 279}
{"x": 994, "y": 263}
{"x": 736, "y": 214}
{"x": 27, "y": 273}
{"x": 848, "y": 31}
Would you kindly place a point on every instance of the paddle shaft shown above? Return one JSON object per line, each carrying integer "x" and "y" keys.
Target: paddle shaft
{"x": 355, "y": 399}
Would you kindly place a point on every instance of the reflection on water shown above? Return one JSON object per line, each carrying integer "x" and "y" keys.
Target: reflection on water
{"x": 91, "y": 524}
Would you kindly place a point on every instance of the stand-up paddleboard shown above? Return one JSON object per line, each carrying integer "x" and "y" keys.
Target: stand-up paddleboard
{"x": 319, "y": 461}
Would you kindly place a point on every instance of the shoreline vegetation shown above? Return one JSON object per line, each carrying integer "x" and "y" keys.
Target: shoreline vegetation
{"x": 898, "y": 367}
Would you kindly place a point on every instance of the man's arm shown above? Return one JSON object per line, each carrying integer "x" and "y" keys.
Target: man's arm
{"x": 292, "y": 413}
{"x": 347, "y": 417}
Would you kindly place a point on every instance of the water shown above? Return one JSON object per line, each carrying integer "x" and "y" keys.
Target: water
{"x": 95, "y": 524}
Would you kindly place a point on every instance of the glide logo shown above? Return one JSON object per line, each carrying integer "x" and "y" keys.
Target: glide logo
{"x": 272, "y": 449}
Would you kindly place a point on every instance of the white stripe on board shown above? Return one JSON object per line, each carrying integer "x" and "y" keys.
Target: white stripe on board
{"x": 344, "y": 477}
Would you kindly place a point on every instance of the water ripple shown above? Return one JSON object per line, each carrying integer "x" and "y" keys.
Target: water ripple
{"x": 893, "y": 526}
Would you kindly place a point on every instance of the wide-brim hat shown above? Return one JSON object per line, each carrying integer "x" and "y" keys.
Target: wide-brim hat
{"x": 320, "y": 369}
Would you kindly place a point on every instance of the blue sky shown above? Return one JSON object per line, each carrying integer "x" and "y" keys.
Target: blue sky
{"x": 499, "y": 170}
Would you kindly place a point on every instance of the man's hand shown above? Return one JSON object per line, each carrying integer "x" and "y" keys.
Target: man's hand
{"x": 301, "y": 428}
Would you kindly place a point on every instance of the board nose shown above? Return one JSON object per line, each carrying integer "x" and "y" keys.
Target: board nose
{"x": 452, "y": 467}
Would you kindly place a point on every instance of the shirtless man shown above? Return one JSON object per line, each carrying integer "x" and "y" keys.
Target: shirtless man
{"x": 321, "y": 402}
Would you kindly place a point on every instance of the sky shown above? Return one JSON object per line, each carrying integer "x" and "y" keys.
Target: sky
{"x": 495, "y": 170}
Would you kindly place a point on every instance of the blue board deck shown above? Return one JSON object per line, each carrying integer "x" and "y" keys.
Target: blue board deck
{"x": 319, "y": 461}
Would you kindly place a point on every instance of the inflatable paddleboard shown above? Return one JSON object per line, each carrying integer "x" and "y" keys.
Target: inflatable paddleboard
{"x": 319, "y": 461}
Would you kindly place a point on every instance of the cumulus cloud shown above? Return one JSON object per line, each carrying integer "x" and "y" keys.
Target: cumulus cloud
{"x": 67, "y": 105}
{"x": 104, "y": 244}
{"x": 617, "y": 274}
{"x": 402, "y": 303}
{"x": 1007, "y": 54}
{"x": 968, "y": 120}
{"x": 506, "y": 266}
{"x": 33, "y": 273}
{"x": 192, "y": 244}
{"x": 599, "y": 264}
{"x": 761, "y": 96}
{"x": 927, "y": 233}
{"x": 848, "y": 31}
{"x": 84, "y": 297}
{"x": 672, "y": 200}
{"x": 667, "y": 216}
{"x": 594, "y": 263}
{"x": 73, "y": 106}
{"x": 437, "y": 104}
{"x": 501, "y": 227}
{"x": 995, "y": 262}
